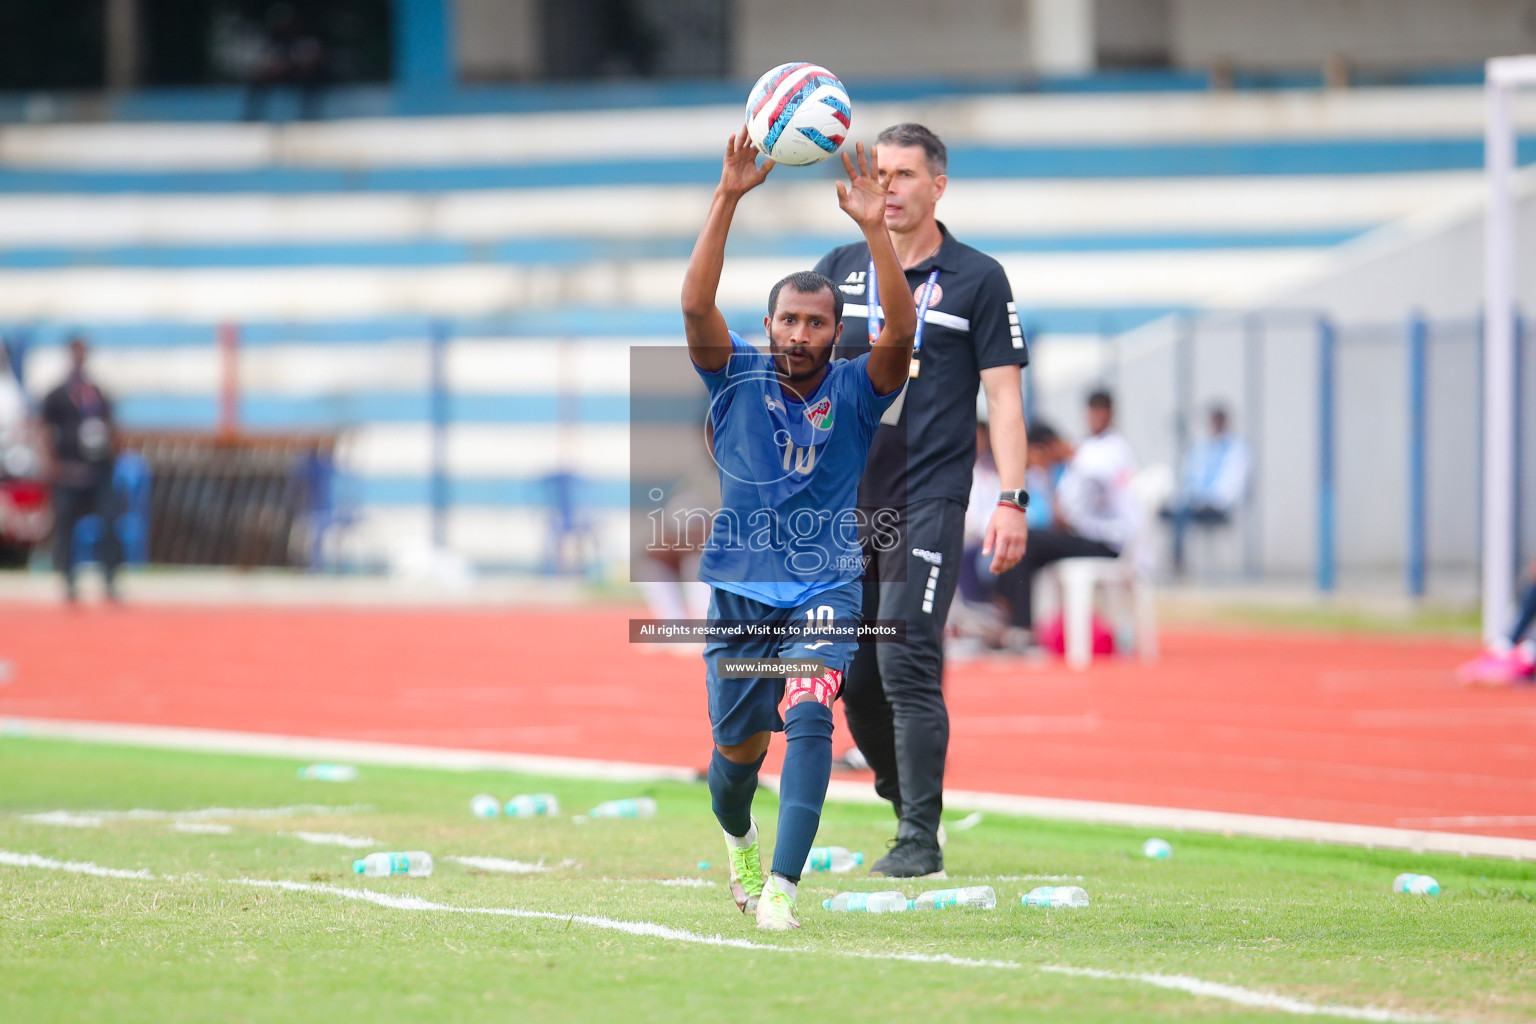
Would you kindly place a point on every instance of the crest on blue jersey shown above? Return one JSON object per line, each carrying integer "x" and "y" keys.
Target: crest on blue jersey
{"x": 820, "y": 414}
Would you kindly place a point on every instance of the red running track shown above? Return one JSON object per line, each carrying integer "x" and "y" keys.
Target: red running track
{"x": 1364, "y": 730}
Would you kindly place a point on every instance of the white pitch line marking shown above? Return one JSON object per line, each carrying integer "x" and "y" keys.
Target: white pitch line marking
{"x": 1176, "y": 982}
{"x": 66, "y": 819}
{"x": 201, "y": 828}
{"x": 32, "y": 860}
{"x": 1245, "y": 996}
{"x": 95, "y": 819}
{"x": 1052, "y": 808}
{"x": 333, "y": 839}
{"x": 644, "y": 928}
{"x": 511, "y": 867}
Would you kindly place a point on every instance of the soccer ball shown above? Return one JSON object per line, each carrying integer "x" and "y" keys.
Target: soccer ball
{"x": 798, "y": 113}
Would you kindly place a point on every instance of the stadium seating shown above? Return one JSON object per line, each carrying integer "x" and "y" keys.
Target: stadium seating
{"x": 547, "y": 245}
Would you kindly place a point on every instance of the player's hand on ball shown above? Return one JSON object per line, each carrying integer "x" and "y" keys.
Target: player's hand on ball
{"x": 863, "y": 197}
{"x": 741, "y": 172}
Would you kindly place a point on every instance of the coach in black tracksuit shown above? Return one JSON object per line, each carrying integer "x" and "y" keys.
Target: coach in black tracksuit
{"x": 918, "y": 480}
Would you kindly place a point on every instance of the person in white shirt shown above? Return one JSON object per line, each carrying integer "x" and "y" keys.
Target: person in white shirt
{"x": 1214, "y": 483}
{"x": 1096, "y": 510}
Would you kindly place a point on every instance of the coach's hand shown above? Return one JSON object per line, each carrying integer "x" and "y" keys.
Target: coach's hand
{"x": 863, "y": 197}
{"x": 1007, "y": 536}
{"x": 741, "y": 172}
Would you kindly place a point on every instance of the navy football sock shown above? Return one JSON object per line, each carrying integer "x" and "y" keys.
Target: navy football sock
{"x": 1527, "y": 614}
{"x": 803, "y": 786}
{"x": 731, "y": 787}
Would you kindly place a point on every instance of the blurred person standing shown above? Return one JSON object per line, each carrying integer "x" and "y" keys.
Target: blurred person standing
{"x": 1214, "y": 483}
{"x": 82, "y": 442}
{"x": 914, "y": 492}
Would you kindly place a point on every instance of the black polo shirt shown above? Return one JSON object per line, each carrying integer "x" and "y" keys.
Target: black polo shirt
{"x": 971, "y": 325}
{"x": 78, "y": 415}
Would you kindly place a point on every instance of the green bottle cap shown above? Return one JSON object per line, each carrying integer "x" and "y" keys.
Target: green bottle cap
{"x": 358, "y": 867}
{"x": 826, "y": 904}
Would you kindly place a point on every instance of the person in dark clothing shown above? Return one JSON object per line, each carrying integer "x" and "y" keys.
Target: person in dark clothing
{"x": 918, "y": 479}
{"x": 82, "y": 440}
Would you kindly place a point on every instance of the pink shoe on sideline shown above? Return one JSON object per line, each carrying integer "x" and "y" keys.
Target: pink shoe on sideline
{"x": 1494, "y": 668}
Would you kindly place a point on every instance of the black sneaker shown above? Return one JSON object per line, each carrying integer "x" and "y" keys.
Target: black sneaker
{"x": 911, "y": 857}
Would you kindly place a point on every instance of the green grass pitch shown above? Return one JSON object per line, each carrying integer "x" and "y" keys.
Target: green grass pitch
{"x": 1306, "y": 922}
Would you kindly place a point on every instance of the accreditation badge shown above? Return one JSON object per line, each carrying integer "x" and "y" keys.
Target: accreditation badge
{"x": 95, "y": 438}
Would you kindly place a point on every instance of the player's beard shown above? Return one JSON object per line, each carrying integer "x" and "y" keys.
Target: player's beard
{"x": 782, "y": 364}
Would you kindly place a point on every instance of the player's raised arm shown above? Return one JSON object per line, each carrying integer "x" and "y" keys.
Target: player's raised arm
{"x": 709, "y": 340}
{"x": 863, "y": 199}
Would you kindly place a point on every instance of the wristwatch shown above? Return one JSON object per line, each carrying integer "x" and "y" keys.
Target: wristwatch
{"x": 1019, "y": 499}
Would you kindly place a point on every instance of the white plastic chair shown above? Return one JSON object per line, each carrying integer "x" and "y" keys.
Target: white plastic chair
{"x": 1126, "y": 581}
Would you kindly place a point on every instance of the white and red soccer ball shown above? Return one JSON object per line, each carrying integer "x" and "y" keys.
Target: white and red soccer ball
{"x": 798, "y": 113}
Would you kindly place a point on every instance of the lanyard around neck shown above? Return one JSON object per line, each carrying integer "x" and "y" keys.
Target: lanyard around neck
{"x": 873, "y": 294}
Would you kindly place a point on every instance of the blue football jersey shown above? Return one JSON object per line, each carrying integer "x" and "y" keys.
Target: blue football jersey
{"x": 787, "y": 528}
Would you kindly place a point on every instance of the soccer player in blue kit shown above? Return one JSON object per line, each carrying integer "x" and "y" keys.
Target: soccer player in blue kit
{"x": 792, "y": 428}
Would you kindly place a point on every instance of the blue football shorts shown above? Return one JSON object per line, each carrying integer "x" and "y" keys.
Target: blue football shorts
{"x": 741, "y": 708}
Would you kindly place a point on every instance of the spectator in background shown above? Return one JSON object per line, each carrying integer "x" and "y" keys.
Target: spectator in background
{"x": 1513, "y": 658}
{"x": 1214, "y": 483}
{"x": 1096, "y": 514}
{"x": 281, "y": 50}
{"x": 1049, "y": 454}
{"x": 1047, "y": 459}
{"x": 82, "y": 441}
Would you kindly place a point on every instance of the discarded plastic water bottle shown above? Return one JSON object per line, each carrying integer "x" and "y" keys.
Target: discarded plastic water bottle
{"x": 414, "y": 864}
{"x": 328, "y": 772}
{"x": 638, "y": 807}
{"x": 533, "y": 805}
{"x": 1419, "y": 885}
{"x": 980, "y": 896}
{"x": 835, "y": 859}
{"x": 1157, "y": 849}
{"x": 485, "y": 806}
{"x": 1055, "y": 896}
{"x": 870, "y": 902}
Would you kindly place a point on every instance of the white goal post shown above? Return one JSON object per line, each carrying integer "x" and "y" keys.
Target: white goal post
{"x": 1504, "y": 75}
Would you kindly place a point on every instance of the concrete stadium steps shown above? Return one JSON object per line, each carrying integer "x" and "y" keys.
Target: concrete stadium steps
{"x": 1120, "y": 160}
{"x": 515, "y": 418}
{"x": 783, "y": 210}
{"x": 1084, "y": 119}
{"x": 544, "y": 246}
{"x": 473, "y": 366}
{"x": 491, "y": 537}
{"x": 1040, "y": 280}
